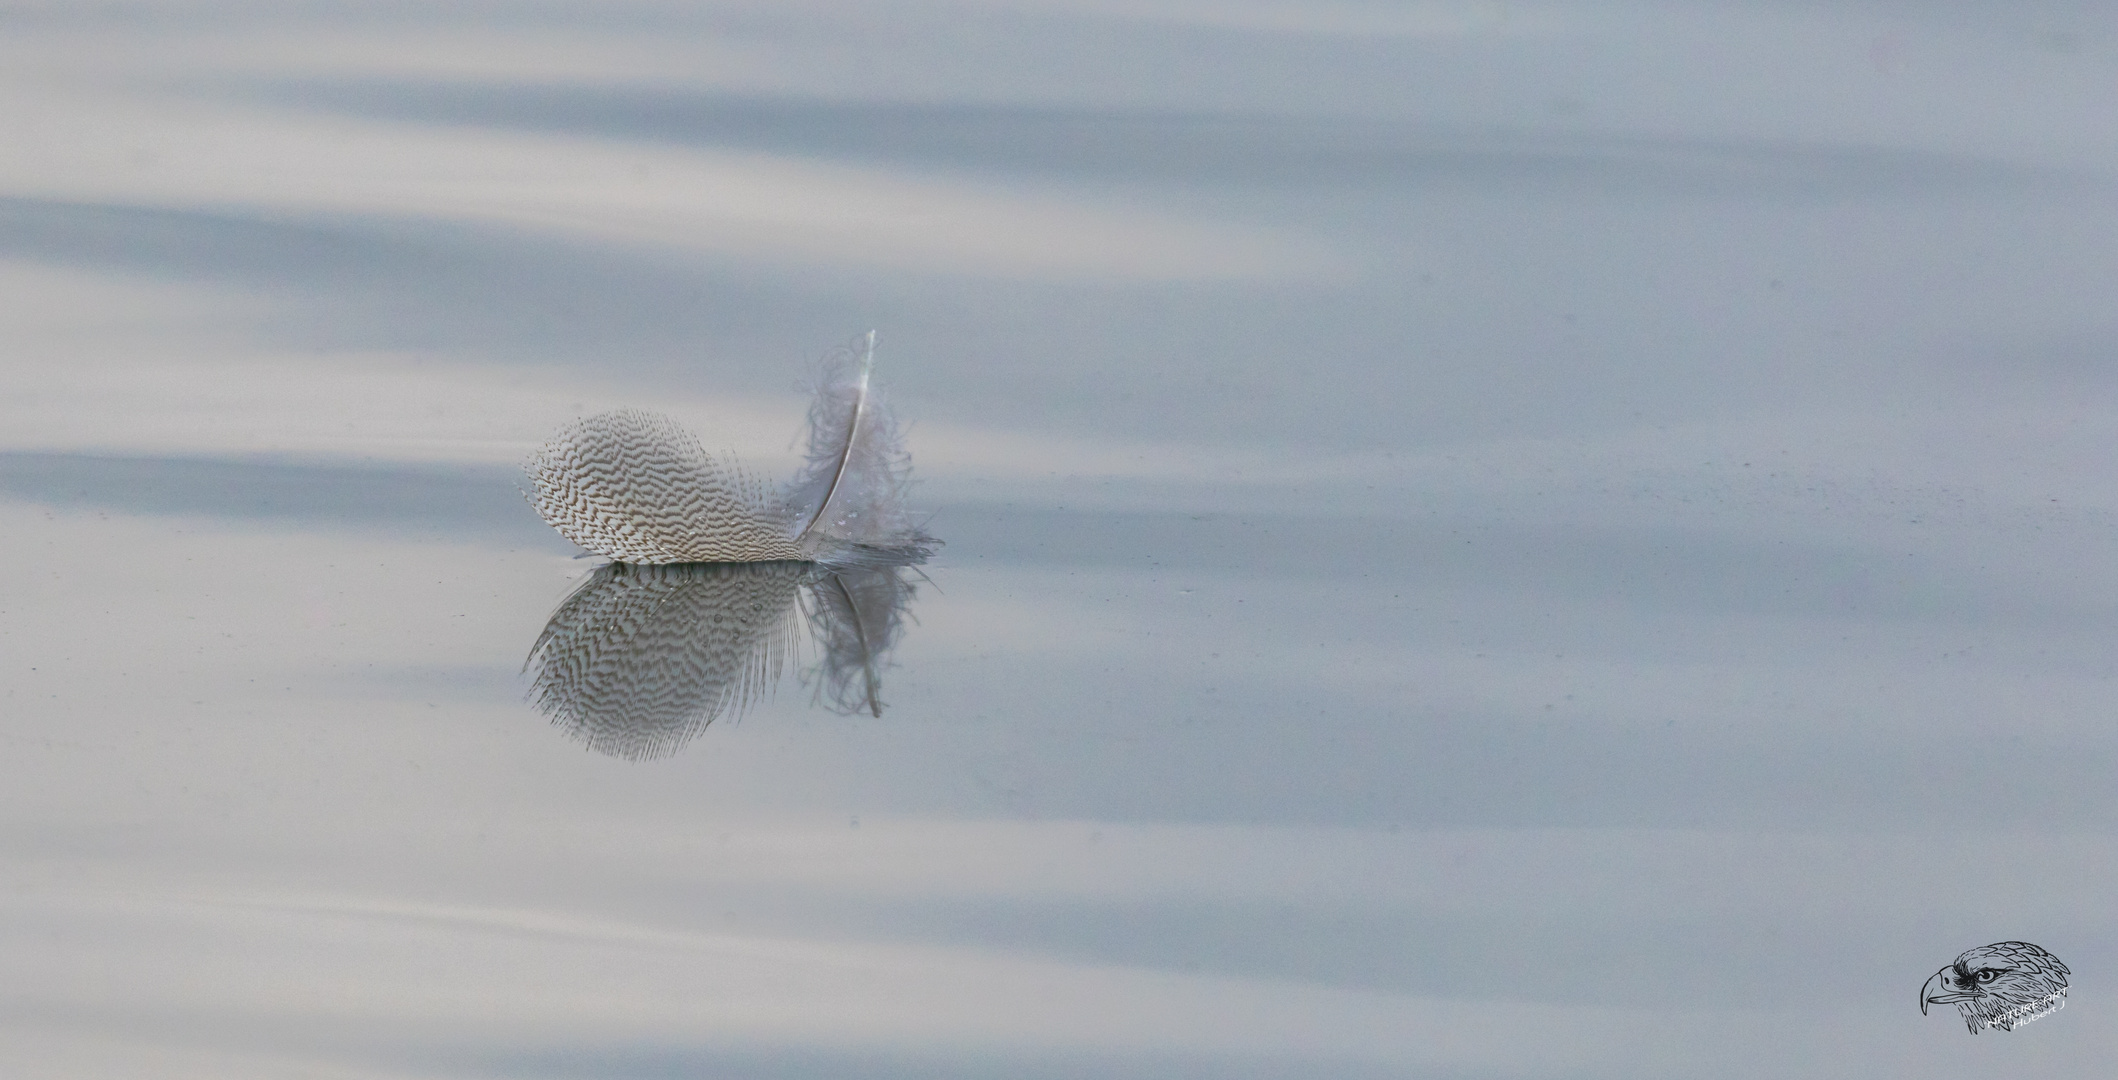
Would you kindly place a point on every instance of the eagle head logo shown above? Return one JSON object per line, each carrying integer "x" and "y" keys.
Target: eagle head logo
{"x": 2001, "y": 985}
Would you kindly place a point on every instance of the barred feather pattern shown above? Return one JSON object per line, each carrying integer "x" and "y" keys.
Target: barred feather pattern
{"x": 640, "y": 659}
{"x": 637, "y": 487}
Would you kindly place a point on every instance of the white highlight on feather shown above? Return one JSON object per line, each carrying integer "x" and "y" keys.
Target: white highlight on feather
{"x": 638, "y": 488}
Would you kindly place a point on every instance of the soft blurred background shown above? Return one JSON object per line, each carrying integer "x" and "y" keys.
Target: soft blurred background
{"x": 1484, "y": 539}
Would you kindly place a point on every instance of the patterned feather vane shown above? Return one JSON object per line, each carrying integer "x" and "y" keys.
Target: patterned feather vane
{"x": 638, "y": 488}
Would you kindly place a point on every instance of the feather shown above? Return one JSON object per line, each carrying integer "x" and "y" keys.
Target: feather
{"x": 638, "y": 488}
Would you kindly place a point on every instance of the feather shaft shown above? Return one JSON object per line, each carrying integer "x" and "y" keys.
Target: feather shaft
{"x": 845, "y": 453}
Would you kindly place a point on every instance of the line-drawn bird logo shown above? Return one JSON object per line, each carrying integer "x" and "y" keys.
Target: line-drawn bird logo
{"x": 2004, "y": 985}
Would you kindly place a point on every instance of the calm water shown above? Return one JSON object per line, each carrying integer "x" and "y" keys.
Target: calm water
{"x": 1482, "y": 540}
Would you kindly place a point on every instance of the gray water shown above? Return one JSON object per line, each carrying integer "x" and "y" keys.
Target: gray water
{"x": 1483, "y": 540}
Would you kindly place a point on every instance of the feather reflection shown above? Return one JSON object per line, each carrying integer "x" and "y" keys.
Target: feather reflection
{"x": 640, "y": 659}
{"x": 856, "y": 616}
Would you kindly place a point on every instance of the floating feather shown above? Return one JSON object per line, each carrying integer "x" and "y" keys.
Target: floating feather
{"x": 638, "y": 488}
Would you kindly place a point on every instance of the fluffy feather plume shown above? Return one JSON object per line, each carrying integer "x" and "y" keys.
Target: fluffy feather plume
{"x": 638, "y": 488}
{"x": 847, "y": 504}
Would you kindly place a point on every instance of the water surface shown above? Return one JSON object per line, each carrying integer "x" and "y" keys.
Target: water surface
{"x": 1482, "y": 540}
